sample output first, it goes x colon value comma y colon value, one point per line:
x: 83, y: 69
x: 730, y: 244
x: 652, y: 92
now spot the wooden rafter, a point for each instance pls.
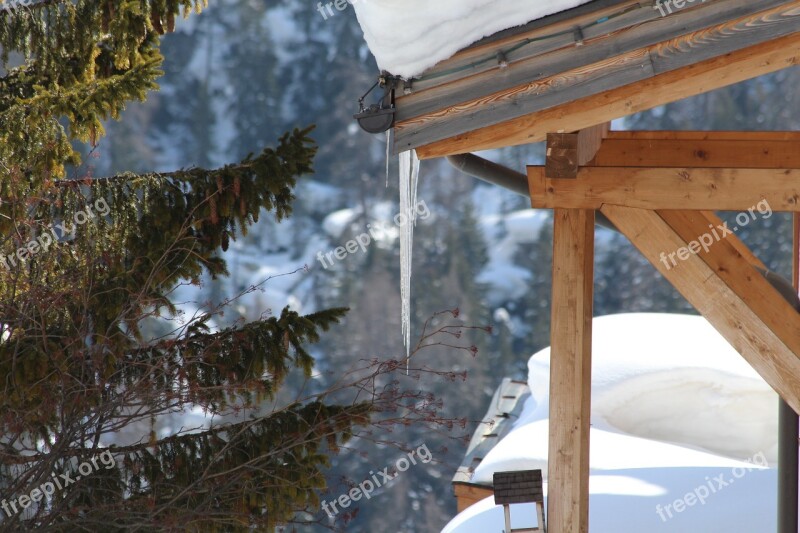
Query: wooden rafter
x: 724, y: 288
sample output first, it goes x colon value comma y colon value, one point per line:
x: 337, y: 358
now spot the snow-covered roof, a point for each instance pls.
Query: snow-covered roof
x: 672, y: 403
x: 409, y: 36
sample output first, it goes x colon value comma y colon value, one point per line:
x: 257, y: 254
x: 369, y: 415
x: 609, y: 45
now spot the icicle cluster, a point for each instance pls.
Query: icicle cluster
x: 409, y: 177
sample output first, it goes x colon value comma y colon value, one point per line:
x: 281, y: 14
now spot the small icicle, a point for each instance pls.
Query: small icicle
x: 409, y: 177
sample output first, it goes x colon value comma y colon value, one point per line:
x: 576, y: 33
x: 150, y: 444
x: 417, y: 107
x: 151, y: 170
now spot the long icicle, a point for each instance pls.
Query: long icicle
x: 388, y: 151
x: 409, y: 177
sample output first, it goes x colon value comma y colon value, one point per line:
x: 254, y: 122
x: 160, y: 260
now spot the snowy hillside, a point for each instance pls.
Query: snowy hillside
x: 410, y: 36
x: 673, y: 406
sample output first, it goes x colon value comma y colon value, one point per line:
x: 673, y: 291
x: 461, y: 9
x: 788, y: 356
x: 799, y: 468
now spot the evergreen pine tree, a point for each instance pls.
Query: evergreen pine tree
x: 85, y: 261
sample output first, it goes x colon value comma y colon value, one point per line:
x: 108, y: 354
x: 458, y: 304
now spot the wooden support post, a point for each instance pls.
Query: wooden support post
x: 570, y: 371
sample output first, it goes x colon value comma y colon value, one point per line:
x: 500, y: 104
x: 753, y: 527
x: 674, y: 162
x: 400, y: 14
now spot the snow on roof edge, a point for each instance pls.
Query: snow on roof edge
x: 408, y: 37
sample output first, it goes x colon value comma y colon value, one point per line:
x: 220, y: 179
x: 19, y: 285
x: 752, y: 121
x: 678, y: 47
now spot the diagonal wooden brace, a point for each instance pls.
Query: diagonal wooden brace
x: 723, y: 286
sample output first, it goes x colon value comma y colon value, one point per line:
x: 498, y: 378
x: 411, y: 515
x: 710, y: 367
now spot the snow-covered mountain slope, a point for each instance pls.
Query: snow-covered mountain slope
x: 410, y: 36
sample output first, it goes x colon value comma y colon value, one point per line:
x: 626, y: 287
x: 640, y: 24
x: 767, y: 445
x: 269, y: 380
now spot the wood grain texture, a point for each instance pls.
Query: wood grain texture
x: 727, y: 37
x: 589, y: 142
x: 531, y: 97
x: 740, y: 247
x: 468, y: 495
x: 696, y: 135
x: 704, y: 189
x: 532, y: 62
x: 561, y: 156
x: 565, y: 153
x: 746, y: 153
x: 570, y: 371
x: 703, y: 287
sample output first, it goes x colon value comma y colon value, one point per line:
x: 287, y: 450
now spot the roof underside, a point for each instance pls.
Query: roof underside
x: 589, y: 65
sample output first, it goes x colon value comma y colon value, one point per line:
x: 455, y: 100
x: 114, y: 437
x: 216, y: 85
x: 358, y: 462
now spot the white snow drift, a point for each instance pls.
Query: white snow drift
x: 410, y: 36
x: 673, y: 406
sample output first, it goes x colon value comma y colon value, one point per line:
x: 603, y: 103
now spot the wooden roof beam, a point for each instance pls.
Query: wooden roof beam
x: 703, y: 189
x: 567, y: 152
x: 746, y: 310
x: 765, y: 150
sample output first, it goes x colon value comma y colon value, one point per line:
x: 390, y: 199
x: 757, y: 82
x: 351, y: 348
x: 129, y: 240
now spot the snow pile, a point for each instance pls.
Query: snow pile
x: 673, y: 405
x: 627, y: 501
x: 409, y: 36
x: 671, y: 378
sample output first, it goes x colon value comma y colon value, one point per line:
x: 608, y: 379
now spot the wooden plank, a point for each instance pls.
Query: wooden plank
x: 541, y: 36
x: 535, y: 30
x: 570, y: 371
x: 695, y: 135
x: 468, y: 494
x: 524, y: 64
x: 583, y: 112
x: 748, y: 153
x: 719, y: 189
x: 740, y: 247
x: 566, y: 152
x: 572, y: 83
x: 589, y: 142
x: 534, y: 96
x: 561, y: 156
x: 727, y: 37
x: 714, y: 299
x: 530, y: 61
